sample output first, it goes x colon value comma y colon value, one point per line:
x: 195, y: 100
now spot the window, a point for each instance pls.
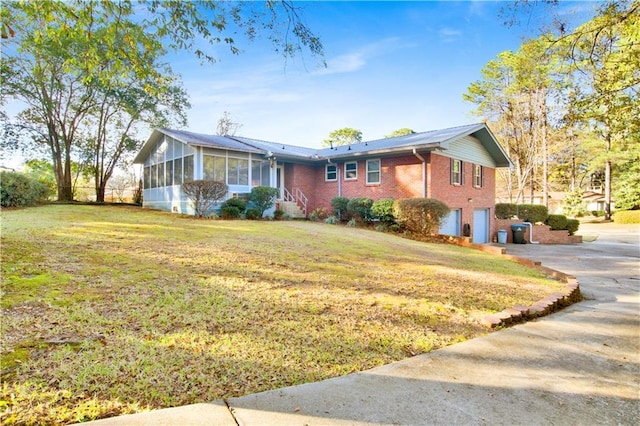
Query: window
x: 260, y: 173
x: 177, y: 171
x: 351, y: 170
x: 214, y: 168
x: 331, y: 172
x: 147, y: 177
x: 238, y: 171
x: 477, y: 176
x: 373, y: 171
x: 169, y: 173
x: 188, y: 168
x: 161, y: 175
x: 456, y: 172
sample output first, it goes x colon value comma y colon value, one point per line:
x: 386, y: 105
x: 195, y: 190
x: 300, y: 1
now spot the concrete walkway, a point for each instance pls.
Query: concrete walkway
x: 578, y: 366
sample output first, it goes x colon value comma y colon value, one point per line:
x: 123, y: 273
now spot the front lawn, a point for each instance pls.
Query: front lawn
x: 113, y: 310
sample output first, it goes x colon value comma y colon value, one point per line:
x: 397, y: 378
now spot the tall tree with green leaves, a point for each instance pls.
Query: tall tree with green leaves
x: 400, y: 132
x: 344, y: 136
x: 91, y: 71
x: 604, y: 56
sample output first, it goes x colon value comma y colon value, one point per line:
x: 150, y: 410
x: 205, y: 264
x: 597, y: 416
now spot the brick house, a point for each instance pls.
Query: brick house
x: 455, y: 165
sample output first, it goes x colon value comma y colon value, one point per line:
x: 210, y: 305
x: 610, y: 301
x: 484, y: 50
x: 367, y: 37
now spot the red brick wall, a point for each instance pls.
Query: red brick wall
x: 541, y: 233
x: 401, y: 178
x: 464, y: 197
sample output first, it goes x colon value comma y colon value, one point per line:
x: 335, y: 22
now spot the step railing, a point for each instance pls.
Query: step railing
x: 297, y: 197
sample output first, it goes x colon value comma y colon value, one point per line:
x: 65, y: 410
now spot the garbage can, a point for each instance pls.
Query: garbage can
x: 502, y: 236
x: 518, y: 233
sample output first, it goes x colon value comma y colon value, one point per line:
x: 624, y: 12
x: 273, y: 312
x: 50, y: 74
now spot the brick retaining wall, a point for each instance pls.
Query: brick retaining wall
x: 541, y: 233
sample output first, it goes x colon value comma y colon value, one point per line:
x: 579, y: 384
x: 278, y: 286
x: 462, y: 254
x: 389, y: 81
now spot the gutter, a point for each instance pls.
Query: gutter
x: 424, y: 172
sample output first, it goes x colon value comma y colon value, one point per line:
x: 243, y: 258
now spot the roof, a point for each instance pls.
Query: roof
x: 423, y: 141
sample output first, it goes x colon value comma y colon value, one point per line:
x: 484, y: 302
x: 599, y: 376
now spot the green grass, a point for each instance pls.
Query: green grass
x: 113, y: 310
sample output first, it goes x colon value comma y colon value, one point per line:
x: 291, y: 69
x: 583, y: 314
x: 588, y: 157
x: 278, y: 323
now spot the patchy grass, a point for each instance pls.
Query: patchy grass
x: 114, y: 310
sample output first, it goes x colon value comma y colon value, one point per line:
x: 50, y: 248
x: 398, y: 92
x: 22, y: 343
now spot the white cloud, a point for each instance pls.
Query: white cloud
x: 450, y: 34
x: 357, y: 59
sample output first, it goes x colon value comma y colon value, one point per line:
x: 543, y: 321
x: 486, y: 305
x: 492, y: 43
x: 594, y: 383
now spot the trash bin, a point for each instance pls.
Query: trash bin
x: 518, y: 233
x: 502, y: 236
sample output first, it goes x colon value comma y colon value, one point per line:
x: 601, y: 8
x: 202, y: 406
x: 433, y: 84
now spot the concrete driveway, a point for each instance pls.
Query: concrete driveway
x: 580, y: 366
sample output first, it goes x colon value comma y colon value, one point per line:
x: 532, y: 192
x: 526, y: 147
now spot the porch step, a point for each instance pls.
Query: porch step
x: 291, y: 209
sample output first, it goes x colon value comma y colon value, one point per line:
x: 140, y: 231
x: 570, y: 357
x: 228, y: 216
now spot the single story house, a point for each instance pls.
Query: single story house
x: 455, y: 165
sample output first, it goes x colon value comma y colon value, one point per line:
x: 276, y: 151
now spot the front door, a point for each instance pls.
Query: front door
x: 451, y: 224
x: 481, y: 226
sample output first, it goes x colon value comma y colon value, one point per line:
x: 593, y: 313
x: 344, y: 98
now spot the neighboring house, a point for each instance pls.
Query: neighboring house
x: 594, y: 200
x: 455, y: 165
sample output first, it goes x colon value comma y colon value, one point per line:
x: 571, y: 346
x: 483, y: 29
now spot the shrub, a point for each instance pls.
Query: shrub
x: 383, y: 209
x: 252, y: 214
x: 204, y: 194
x: 278, y: 214
x: 264, y: 197
x: 506, y: 210
x: 533, y: 213
x: 572, y: 226
x: 319, y: 214
x: 238, y: 203
x: 556, y: 221
x: 20, y: 190
x: 627, y: 216
x: 331, y: 220
x: 230, y: 212
x: 339, y: 205
x: 352, y: 223
x: 420, y: 215
x: 360, y: 209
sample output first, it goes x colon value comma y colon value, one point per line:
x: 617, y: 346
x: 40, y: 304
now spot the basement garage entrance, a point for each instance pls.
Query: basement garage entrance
x: 481, y: 226
x: 451, y: 224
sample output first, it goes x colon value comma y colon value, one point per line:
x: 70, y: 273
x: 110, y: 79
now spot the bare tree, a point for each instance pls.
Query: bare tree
x: 226, y: 125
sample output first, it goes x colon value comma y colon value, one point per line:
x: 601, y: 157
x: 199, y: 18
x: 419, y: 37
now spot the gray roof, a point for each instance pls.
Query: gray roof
x: 423, y: 141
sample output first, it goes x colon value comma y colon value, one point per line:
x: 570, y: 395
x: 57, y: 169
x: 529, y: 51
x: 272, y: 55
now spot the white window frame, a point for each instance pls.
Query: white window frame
x: 478, y: 174
x: 354, y: 171
x: 326, y: 172
x: 459, y: 180
x: 369, y: 171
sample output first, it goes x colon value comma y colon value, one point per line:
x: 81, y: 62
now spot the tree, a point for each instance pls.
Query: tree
x: 263, y: 197
x: 626, y: 188
x: 204, y: 194
x: 400, y: 132
x: 604, y: 54
x: 344, y: 136
x: 226, y: 126
x: 90, y: 71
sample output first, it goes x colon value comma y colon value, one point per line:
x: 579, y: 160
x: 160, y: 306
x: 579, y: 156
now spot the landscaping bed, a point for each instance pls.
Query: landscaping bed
x: 110, y: 310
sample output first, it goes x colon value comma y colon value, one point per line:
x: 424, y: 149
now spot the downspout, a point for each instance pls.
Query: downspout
x: 531, y: 233
x: 424, y: 172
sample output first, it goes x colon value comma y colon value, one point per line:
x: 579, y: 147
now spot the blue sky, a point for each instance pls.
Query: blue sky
x: 390, y: 65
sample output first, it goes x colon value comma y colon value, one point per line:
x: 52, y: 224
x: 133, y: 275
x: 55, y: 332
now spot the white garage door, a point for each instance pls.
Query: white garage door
x: 451, y: 224
x: 481, y: 226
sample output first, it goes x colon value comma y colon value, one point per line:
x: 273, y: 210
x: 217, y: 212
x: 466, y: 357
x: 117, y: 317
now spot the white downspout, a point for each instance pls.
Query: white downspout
x: 531, y: 233
x: 424, y: 172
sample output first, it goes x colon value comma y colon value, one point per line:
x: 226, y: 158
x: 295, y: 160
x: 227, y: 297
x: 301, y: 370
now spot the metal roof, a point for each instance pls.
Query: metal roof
x: 423, y: 141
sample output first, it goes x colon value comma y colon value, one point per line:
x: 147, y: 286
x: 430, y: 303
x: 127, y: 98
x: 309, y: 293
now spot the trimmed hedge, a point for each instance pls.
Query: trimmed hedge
x: 382, y: 209
x: 360, y: 209
x: 532, y: 212
x: 557, y: 221
x: 506, y: 210
x: 21, y: 190
x: 627, y: 216
x: 253, y: 214
x: 572, y: 226
x: 339, y: 205
x: 420, y: 215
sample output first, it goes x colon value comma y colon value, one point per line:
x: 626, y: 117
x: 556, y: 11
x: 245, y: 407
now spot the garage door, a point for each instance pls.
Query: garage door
x: 451, y: 224
x: 481, y: 226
